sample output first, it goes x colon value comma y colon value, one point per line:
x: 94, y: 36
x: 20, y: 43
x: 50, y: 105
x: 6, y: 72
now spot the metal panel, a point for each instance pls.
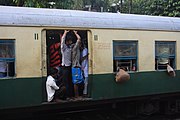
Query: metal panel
x: 24, y: 16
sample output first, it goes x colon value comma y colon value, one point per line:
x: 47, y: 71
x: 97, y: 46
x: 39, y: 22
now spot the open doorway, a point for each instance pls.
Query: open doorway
x: 53, y: 40
x: 54, y: 54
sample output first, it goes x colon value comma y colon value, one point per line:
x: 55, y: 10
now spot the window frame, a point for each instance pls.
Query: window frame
x: 130, y: 57
x: 171, y: 56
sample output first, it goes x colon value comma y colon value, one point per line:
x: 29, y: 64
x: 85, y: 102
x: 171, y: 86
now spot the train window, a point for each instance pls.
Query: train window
x: 7, y: 58
x: 164, y: 54
x: 125, y: 55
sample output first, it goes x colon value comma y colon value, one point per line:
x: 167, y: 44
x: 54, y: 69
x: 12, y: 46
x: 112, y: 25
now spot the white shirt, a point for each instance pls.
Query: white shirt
x: 84, y: 64
x: 51, y: 87
x: 66, y: 53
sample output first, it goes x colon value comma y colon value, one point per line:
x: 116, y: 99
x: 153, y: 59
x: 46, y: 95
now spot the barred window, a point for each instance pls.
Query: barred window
x: 164, y: 54
x: 7, y: 58
x: 125, y: 55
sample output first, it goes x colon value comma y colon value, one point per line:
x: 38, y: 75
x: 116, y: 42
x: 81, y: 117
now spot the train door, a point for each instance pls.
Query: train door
x: 53, y: 49
x: 53, y: 40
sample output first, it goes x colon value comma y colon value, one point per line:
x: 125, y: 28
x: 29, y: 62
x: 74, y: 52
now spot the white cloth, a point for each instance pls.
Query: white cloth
x: 85, y: 91
x: 3, y: 67
x: 171, y: 71
x: 51, y: 87
x: 84, y: 64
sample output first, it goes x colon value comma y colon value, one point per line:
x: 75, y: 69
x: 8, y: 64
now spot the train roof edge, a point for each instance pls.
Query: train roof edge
x: 25, y: 16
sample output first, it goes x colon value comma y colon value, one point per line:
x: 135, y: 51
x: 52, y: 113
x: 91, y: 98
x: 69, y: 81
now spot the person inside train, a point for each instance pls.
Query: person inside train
x: 3, y: 69
x: 3, y: 64
x: 66, y: 51
x: 54, y: 93
x: 55, y: 54
x: 84, y: 67
x: 77, y: 76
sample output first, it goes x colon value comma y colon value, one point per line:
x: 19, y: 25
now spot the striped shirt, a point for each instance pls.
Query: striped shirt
x: 55, y: 57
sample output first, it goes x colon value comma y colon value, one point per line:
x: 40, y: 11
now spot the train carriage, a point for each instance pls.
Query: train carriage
x: 140, y: 43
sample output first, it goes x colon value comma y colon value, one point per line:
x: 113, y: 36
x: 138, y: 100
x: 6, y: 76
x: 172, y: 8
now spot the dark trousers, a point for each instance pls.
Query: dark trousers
x: 67, y: 79
x: 60, y: 93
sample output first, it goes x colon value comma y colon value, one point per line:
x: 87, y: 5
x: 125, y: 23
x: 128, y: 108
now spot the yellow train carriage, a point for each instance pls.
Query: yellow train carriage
x: 114, y: 40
